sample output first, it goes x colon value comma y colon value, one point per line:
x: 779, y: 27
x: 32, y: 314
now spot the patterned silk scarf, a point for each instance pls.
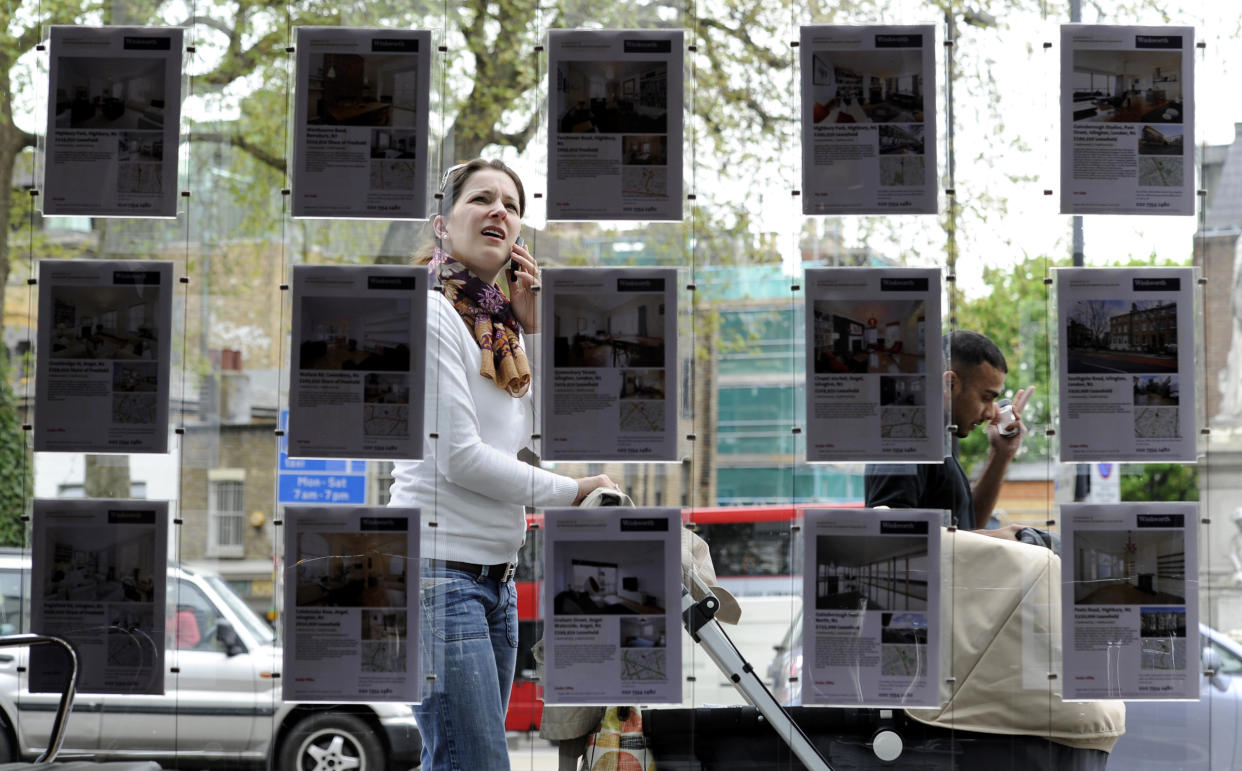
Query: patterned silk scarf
x: 488, y: 315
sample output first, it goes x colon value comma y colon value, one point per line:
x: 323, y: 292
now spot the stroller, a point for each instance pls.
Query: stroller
x: 989, y: 719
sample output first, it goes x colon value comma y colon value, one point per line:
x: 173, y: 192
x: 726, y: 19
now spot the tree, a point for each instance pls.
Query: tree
x: 16, y: 482
x: 1161, y: 482
x: 490, y: 91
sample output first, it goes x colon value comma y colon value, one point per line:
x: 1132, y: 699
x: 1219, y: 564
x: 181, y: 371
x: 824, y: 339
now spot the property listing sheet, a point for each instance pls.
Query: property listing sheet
x: 868, y: 119
x: 351, y: 604
x: 871, y: 605
x: 615, y: 124
x: 1127, y: 364
x: 98, y: 578
x: 1130, y: 601
x: 874, y: 364
x: 356, y: 383
x: 610, y: 364
x: 113, y: 121
x: 1127, y: 119
x: 360, y: 123
x: 612, y: 599
x: 103, y: 365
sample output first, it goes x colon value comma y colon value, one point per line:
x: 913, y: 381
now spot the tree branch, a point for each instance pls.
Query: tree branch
x: 517, y: 139
x: 240, y: 142
x: 208, y: 21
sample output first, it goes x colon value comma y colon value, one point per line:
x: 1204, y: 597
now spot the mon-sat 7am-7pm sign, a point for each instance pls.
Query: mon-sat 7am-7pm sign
x: 317, y: 480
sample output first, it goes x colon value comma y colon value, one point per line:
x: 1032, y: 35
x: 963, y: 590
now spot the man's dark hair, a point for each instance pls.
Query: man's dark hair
x: 970, y: 349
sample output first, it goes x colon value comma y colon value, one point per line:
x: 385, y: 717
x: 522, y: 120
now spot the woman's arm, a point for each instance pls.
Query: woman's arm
x: 461, y: 455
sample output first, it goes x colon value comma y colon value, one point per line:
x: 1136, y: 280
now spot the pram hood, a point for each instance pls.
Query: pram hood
x: 1003, y: 606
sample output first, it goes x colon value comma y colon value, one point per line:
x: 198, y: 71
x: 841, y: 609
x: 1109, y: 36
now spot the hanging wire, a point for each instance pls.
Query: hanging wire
x: 283, y: 302
x: 189, y: 48
x: 27, y: 379
x: 27, y: 512
x: 1202, y: 463
x: 696, y: 449
x: 1049, y: 65
x: 789, y: 138
x: 432, y: 517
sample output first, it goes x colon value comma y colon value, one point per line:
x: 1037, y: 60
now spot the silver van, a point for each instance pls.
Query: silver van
x: 221, y: 707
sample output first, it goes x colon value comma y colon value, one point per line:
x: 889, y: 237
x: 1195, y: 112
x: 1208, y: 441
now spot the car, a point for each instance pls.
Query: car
x: 1160, y: 735
x: 221, y: 706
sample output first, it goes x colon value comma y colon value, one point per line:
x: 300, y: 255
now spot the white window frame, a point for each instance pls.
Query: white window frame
x: 216, y: 480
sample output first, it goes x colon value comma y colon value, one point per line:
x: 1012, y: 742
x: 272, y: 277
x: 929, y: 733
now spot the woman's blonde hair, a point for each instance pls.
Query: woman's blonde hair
x: 451, y: 186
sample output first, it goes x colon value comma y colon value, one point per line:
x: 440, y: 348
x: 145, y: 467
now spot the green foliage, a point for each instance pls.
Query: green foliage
x: 16, y: 482
x: 1161, y: 482
x: 1017, y: 313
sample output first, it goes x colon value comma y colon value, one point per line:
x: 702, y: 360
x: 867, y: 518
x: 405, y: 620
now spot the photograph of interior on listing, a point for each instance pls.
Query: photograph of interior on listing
x: 104, y: 322
x: 613, y: 97
x: 608, y: 578
x: 1127, y: 87
x: 110, y: 93
x: 856, y: 572
x: 867, y: 86
x: 99, y: 564
x: 870, y: 337
x: 349, y: 333
x: 621, y: 329
x: 362, y: 90
x: 1129, y: 567
x: 352, y: 570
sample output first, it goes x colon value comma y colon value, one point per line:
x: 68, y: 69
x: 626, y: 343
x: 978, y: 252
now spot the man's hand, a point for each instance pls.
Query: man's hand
x: 1007, y: 446
x: 1005, y: 532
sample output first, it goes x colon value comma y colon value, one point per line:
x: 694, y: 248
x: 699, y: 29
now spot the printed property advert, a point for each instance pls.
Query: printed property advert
x: 1130, y: 601
x: 98, y: 579
x: 356, y: 382
x: 610, y: 364
x: 868, y: 120
x: 612, y: 601
x: 351, y: 604
x: 873, y: 370
x: 360, y: 123
x: 1127, y: 364
x: 870, y: 594
x: 615, y: 124
x: 113, y: 121
x: 1127, y: 120
x: 103, y: 364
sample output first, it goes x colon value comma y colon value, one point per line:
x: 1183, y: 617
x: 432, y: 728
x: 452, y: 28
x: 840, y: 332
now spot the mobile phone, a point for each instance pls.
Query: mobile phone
x: 511, y: 272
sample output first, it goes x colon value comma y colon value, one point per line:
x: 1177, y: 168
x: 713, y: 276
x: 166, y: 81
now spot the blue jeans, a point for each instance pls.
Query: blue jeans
x: 469, y: 642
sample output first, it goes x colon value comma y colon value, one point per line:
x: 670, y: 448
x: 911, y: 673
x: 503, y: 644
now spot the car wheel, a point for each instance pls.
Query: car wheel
x: 8, y: 751
x: 332, y: 741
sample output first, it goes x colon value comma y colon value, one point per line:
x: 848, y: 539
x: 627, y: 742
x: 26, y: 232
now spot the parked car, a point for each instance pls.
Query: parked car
x: 221, y: 706
x: 1198, y: 735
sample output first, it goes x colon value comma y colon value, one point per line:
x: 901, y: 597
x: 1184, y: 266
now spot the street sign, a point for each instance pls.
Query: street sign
x: 317, y: 480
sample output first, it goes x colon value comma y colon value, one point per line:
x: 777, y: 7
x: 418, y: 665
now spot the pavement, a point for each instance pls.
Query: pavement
x: 527, y: 752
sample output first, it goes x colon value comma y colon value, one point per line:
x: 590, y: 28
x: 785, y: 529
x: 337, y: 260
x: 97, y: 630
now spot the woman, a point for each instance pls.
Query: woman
x: 471, y: 487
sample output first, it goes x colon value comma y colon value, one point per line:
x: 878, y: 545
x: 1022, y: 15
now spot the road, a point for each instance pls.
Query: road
x: 1113, y: 362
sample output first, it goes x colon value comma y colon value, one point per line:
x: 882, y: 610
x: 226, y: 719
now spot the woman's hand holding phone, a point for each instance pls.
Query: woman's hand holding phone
x: 523, y: 275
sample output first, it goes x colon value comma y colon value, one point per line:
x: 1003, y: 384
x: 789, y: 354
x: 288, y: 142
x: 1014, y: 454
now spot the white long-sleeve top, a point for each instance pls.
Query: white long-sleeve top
x: 471, y: 483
